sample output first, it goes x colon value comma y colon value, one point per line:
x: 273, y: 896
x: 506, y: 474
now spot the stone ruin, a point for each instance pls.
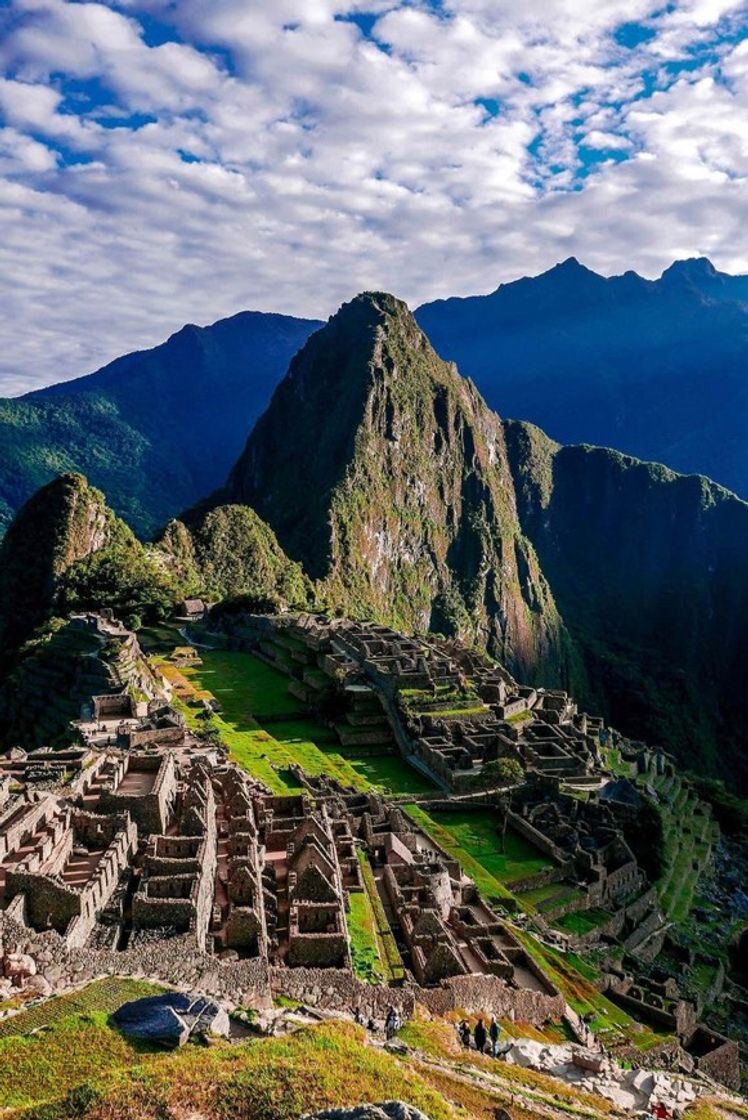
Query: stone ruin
x: 146, y: 839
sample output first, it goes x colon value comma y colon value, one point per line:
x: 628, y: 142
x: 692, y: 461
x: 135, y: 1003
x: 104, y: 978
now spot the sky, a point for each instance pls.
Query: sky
x: 172, y: 161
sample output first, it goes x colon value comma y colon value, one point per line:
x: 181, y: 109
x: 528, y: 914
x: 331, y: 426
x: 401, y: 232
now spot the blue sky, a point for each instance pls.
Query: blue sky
x: 164, y: 161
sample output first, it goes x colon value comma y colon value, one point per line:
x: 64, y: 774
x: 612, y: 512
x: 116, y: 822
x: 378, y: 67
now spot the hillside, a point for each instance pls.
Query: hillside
x: 384, y: 474
x: 654, y: 368
x: 65, y: 550
x: 156, y: 429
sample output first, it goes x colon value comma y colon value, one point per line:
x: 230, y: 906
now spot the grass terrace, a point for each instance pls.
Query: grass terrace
x: 689, y: 837
x: 581, y: 922
x: 389, y: 954
x: 471, y: 837
x: 576, y: 977
x: 444, y: 703
x: 267, y: 730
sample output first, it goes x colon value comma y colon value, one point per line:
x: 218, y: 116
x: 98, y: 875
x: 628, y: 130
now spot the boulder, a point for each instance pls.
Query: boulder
x: 385, y: 1110
x: 171, y: 1019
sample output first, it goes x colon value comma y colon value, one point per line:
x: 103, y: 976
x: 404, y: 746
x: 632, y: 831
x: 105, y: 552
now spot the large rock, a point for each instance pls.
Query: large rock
x: 171, y: 1019
x: 385, y: 1110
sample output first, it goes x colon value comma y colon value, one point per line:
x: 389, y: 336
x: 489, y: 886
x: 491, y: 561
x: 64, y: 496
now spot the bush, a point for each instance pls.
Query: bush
x: 501, y: 772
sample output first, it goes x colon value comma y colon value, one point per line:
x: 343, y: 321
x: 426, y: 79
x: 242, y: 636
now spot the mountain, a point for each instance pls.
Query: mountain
x: 156, y: 429
x: 65, y: 550
x: 378, y: 483
x: 385, y: 476
x: 655, y: 368
x: 230, y: 551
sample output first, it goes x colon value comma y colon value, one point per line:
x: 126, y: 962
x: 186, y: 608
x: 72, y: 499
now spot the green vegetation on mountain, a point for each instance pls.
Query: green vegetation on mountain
x: 230, y: 551
x: 63, y: 523
x: 155, y: 430
x: 384, y: 474
x: 67, y: 551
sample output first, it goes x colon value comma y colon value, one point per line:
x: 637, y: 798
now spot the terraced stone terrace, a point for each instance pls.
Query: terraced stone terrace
x: 690, y: 834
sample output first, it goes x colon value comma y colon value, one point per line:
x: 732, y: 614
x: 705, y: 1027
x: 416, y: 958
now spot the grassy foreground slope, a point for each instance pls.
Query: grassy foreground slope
x: 266, y: 1079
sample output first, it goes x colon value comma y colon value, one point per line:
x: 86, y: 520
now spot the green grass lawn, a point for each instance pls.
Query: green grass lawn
x: 582, y: 921
x: 475, y: 832
x: 367, y: 964
x: 246, y: 687
x: 71, y: 1042
x: 489, y: 886
x: 253, y: 698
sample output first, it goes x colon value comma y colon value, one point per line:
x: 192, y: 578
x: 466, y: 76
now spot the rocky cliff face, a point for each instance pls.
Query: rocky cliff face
x: 384, y: 474
x: 650, y: 571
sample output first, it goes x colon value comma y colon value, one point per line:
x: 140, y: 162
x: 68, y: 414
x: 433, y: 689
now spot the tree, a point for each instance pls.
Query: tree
x: 501, y: 772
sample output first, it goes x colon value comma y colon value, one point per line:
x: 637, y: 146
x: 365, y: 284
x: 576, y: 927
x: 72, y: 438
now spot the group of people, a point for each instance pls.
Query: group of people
x: 480, y: 1035
x: 392, y: 1022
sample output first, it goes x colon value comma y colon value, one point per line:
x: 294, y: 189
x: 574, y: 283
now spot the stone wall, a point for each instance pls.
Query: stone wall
x: 490, y: 995
x: 529, y: 832
x: 175, y: 961
x: 722, y: 1061
x: 339, y: 990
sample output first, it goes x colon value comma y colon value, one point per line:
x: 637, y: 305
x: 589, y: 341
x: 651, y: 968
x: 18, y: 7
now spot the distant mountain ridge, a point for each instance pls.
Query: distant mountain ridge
x: 155, y: 429
x: 655, y: 368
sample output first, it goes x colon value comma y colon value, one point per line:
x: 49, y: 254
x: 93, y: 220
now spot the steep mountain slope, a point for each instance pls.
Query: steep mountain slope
x: 383, y: 473
x: 156, y: 429
x: 650, y: 571
x: 66, y: 550
x: 658, y: 368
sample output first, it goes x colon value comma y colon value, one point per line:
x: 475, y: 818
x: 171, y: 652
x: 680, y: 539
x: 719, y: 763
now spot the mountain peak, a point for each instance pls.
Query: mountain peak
x: 694, y: 269
x: 384, y: 474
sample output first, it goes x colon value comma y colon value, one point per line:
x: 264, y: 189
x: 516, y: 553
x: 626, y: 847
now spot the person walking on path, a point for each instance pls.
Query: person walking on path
x: 479, y: 1034
x: 465, y: 1033
x: 494, y: 1031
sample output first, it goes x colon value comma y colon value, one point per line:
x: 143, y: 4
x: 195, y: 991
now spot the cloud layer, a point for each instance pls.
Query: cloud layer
x: 164, y: 161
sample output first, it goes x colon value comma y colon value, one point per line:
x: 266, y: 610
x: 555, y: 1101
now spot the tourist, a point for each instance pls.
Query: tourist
x: 659, y: 1111
x: 464, y: 1032
x: 390, y: 1024
x: 494, y: 1031
x: 480, y: 1036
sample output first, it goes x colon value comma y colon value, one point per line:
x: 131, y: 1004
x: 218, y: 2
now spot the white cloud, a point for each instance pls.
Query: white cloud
x: 274, y: 156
